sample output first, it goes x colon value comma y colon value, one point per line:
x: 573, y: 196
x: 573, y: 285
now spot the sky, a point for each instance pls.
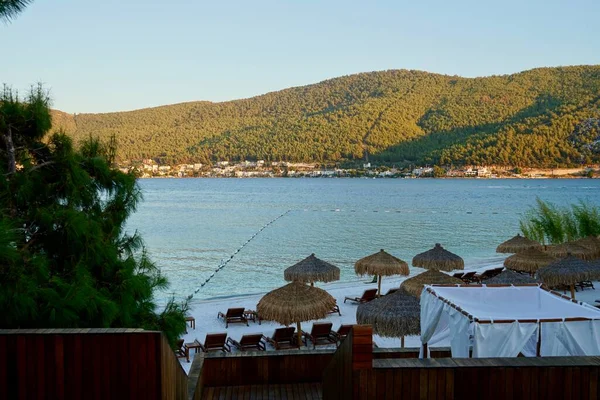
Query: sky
x: 116, y: 55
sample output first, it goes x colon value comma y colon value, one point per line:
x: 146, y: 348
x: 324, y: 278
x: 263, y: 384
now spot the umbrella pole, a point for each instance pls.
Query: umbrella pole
x: 379, y: 286
x: 299, y: 334
x: 402, y: 341
x: 312, y: 284
x: 573, y: 291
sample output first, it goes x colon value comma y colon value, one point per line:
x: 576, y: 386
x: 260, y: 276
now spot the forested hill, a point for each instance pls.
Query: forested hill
x: 541, y: 117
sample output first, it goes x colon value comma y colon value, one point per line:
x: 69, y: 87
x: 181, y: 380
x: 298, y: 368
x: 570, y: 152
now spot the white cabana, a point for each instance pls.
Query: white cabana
x: 505, y: 320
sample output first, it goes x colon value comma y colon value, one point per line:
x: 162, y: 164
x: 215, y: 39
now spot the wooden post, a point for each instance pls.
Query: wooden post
x: 379, y: 286
x: 539, y: 343
x: 312, y: 284
x: 573, y: 291
x: 402, y: 341
x: 425, y: 350
x: 299, y: 334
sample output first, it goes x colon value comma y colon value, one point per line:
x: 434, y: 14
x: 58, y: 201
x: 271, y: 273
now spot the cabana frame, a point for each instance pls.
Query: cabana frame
x: 507, y: 321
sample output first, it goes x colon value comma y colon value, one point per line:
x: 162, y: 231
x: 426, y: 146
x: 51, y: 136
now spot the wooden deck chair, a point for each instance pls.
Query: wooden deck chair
x: 487, y: 274
x: 249, y: 342
x: 234, y: 315
x: 320, y: 334
x: 458, y: 275
x: 214, y: 342
x: 335, y: 309
x: 392, y: 290
x: 343, y: 331
x: 182, y: 351
x: 469, y: 277
x: 283, y: 338
x: 368, y: 295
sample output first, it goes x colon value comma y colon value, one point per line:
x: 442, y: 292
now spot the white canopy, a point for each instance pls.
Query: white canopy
x: 503, y: 321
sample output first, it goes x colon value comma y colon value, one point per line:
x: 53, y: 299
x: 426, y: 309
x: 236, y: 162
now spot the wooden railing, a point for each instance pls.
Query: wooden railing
x: 90, y: 364
x: 355, y: 353
x: 398, y: 374
x: 494, y: 378
x: 262, y: 367
x: 410, y: 352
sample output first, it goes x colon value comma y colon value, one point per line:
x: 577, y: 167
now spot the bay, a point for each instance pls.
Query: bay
x: 192, y: 226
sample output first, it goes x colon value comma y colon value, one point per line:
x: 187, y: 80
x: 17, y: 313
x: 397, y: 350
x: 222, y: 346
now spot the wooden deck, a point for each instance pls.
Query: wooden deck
x: 303, y: 391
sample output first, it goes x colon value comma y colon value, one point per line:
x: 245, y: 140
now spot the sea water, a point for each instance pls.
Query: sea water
x: 255, y: 228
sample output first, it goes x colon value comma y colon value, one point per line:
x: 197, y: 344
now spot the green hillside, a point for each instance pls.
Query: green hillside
x: 541, y: 117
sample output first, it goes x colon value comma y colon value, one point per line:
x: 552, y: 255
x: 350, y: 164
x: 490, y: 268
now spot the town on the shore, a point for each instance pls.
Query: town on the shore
x: 262, y: 169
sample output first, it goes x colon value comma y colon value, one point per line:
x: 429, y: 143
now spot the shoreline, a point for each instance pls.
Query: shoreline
x: 205, y: 311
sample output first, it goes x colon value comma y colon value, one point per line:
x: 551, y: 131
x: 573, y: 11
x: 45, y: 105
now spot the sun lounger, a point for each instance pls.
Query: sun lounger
x: 320, y: 334
x: 392, y: 290
x: 234, y: 315
x: 368, y: 295
x: 214, y: 342
x: 485, y: 275
x: 343, y: 331
x: 469, y: 277
x: 283, y: 338
x: 585, y: 284
x: 182, y: 351
x: 335, y: 309
x: 248, y: 342
x: 458, y: 275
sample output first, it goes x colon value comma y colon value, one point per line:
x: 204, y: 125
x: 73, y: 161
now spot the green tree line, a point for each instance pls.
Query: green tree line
x: 399, y: 116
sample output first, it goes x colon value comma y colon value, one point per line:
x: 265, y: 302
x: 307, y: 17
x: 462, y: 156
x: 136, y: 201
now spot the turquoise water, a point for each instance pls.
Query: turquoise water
x: 191, y: 226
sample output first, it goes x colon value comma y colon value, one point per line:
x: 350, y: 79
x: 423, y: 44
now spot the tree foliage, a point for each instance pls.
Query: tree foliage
x: 66, y: 260
x: 550, y: 224
x: 397, y: 116
x: 10, y: 8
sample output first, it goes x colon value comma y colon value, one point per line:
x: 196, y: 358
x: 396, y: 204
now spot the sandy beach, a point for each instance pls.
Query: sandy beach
x: 205, y: 311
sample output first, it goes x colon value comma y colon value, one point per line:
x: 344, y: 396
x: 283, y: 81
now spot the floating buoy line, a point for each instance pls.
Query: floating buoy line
x: 226, y: 261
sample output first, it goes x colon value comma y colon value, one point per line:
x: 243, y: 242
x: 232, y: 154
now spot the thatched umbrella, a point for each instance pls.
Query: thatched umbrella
x: 438, y: 258
x: 381, y: 264
x: 592, y: 243
x: 528, y: 260
x: 312, y: 270
x: 295, y: 302
x: 568, y: 271
x: 508, y: 277
x: 517, y: 244
x: 563, y: 249
x: 393, y: 315
x: 415, y: 284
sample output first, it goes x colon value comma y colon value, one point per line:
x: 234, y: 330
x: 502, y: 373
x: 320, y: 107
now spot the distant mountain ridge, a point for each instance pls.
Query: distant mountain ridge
x: 398, y: 116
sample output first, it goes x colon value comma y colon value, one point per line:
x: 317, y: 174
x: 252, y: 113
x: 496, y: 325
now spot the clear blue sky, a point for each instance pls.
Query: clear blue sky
x: 113, y: 55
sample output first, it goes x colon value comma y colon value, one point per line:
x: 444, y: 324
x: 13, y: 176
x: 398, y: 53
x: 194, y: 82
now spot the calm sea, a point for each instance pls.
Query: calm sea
x: 191, y: 226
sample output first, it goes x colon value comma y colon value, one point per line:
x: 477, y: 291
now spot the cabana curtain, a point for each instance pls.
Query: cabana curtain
x: 466, y: 315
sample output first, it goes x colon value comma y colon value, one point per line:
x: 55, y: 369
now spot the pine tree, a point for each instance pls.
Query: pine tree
x: 66, y: 260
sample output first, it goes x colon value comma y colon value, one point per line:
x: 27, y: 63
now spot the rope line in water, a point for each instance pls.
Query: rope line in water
x: 224, y: 263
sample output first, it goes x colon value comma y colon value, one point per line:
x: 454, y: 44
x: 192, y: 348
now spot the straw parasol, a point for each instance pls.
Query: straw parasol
x: 591, y: 243
x: 312, y: 270
x: 563, y: 249
x: 381, y: 264
x: 568, y: 271
x: 415, y: 284
x: 517, y: 244
x: 295, y: 302
x: 438, y: 258
x: 528, y: 260
x: 393, y: 315
x: 508, y: 277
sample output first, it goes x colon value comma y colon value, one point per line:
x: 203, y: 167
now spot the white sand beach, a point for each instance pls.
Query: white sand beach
x: 205, y: 311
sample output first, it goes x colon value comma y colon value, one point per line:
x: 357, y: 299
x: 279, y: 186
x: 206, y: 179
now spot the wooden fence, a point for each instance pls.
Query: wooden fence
x: 397, y: 374
x: 90, y: 364
x: 264, y: 367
